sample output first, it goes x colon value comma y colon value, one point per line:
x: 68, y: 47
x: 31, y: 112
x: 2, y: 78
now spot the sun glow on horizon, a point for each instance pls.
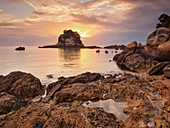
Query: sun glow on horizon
x: 84, y: 35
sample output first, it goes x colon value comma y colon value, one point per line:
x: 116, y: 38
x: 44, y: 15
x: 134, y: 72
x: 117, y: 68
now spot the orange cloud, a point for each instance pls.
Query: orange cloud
x: 95, y: 20
x: 11, y: 1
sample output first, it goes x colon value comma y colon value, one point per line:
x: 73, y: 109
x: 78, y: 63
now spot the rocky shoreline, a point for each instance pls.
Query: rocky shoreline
x: 90, y: 99
x: 152, y: 58
x: 146, y: 99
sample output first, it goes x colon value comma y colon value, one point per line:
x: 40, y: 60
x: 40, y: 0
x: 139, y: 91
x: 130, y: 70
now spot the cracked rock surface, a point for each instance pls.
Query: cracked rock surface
x: 146, y: 101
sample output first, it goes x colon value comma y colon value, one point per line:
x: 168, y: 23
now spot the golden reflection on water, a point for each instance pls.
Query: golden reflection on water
x: 58, y: 62
x: 69, y: 58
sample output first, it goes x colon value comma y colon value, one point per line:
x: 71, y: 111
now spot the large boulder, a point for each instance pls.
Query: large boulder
x: 9, y: 103
x: 144, y: 58
x: 20, y: 84
x: 69, y: 39
x: 159, y: 36
x: 135, y: 57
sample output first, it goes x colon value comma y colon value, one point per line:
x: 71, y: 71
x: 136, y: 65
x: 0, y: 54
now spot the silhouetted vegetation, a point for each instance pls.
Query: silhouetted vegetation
x: 164, y: 20
x: 68, y: 34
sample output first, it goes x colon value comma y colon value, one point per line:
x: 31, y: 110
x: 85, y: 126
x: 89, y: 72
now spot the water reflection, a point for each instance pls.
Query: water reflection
x: 109, y: 106
x: 69, y: 57
x: 57, y: 62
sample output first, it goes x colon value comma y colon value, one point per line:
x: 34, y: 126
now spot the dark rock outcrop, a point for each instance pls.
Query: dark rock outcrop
x: 116, y: 47
x: 143, y: 58
x: 9, y: 103
x: 21, y: 85
x: 69, y: 39
x: 20, y: 49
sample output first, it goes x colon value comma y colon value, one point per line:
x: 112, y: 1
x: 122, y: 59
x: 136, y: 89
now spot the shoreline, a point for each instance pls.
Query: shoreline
x: 116, y: 47
x: 67, y: 95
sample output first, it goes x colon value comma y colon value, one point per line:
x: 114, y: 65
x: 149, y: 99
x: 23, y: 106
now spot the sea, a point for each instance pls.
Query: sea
x: 57, y: 62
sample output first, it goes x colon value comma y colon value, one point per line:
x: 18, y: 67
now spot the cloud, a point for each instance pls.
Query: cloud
x: 11, y: 1
x: 1, y: 10
x: 6, y: 24
x: 38, y: 13
x: 110, y: 21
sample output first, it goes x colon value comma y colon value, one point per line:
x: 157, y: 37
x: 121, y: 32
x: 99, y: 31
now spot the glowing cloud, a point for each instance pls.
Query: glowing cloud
x: 110, y: 21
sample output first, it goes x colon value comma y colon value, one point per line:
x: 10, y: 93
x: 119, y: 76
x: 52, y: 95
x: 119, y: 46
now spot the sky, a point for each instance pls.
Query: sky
x: 99, y: 22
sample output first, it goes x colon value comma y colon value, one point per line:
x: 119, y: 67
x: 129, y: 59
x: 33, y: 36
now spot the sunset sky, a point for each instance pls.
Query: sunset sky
x: 99, y: 22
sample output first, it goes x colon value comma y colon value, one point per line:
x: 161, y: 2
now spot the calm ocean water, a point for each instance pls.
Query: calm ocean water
x: 56, y: 62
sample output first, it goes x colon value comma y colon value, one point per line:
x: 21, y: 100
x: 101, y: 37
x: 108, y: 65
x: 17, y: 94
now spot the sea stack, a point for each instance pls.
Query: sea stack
x: 69, y: 39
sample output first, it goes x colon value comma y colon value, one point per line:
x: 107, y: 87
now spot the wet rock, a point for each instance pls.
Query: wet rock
x: 69, y: 39
x: 9, y: 103
x: 20, y: 48
x: 20, y: 84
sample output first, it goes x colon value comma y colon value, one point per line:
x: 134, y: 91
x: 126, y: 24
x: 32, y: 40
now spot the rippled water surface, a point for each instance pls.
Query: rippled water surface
x: 57, y: 62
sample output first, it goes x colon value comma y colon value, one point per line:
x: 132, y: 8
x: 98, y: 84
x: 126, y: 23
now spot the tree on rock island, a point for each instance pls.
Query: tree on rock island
x: 164, y: 21
x: 69, y: 39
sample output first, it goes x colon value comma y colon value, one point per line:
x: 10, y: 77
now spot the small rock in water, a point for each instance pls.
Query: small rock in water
x: 50, y: 76
x: 20, y: 48
x: 97, y: 51
x: 106, y: 51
